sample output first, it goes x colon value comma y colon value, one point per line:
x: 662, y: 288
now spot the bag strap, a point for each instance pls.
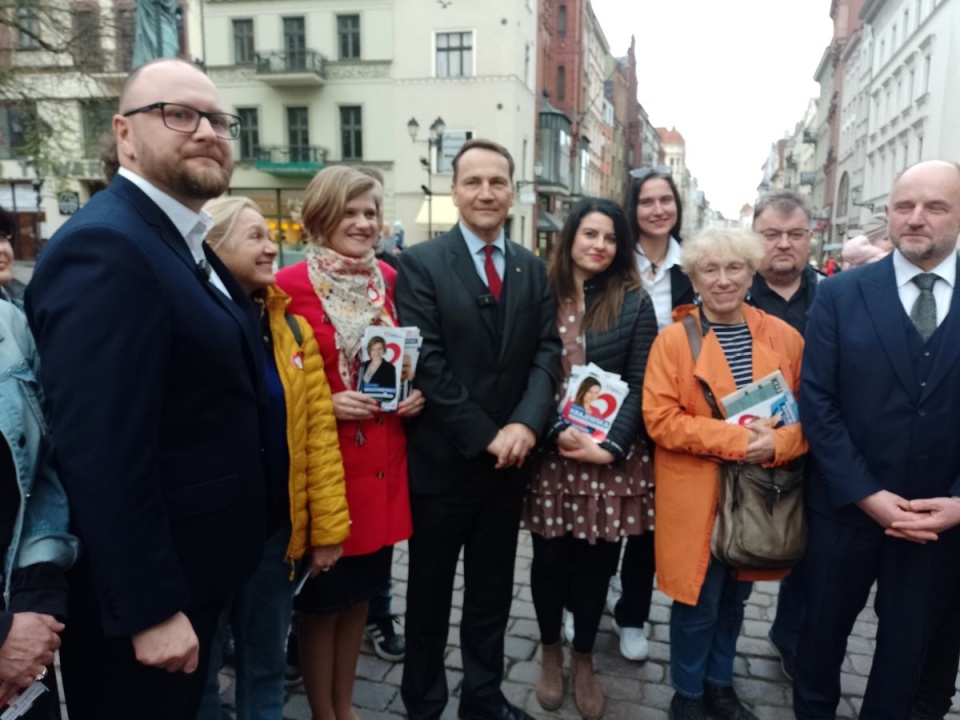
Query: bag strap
x: 294, y: 328
x: 696, y: 343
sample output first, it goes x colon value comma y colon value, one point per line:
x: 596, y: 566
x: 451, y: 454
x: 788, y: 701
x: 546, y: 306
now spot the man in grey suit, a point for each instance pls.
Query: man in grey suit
x: 488, y: 369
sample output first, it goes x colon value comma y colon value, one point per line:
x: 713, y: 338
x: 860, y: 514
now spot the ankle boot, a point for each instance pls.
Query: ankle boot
x: 586, y: 689
x: 550, y: 685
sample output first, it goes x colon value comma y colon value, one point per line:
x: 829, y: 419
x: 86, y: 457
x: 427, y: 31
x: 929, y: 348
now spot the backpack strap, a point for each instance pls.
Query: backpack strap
x: 294, y: 328
x: 696, y: 342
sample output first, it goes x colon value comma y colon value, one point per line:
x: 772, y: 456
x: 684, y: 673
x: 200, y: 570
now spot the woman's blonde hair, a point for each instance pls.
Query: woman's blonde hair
x: 711, y: 243
x: 226, y: 212
x: 326, y: 197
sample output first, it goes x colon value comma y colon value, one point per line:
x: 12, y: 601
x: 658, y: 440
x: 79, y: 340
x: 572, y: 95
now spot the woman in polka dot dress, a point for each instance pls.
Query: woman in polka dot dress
x: 586, y: 496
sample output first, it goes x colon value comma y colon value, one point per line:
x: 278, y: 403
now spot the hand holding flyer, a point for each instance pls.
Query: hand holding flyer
x: 388, y: 359
x: 769, y: 399
x: 593, y: 400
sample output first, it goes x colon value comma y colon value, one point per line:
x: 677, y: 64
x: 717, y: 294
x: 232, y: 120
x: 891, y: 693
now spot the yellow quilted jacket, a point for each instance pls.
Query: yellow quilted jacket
x: 318, y: 502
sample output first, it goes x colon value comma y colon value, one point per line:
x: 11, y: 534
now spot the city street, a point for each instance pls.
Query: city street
x: 634, y: 690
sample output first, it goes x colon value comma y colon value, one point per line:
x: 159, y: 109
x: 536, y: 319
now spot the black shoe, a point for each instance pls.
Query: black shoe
x: 505, y: 711
x: 684, y: 708
x: 723, y: 704
x: 922, y: 712
x: 788, y: 660
x: 387, y: 644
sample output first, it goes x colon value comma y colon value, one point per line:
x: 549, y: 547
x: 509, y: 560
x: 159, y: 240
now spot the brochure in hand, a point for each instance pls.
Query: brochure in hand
x: 769, y: 398
x: 388, y: 360
x: 593, y: 399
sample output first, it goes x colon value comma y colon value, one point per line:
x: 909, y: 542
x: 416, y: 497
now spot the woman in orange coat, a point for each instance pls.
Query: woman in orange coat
x: 740, y: 344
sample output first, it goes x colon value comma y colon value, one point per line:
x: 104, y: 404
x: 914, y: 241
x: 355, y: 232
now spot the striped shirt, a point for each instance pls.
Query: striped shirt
x: 738, y: 349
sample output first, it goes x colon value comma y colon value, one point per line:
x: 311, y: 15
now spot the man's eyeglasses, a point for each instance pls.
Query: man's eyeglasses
x: 186, y: 119
x: 795, y: 235
x: 645, y: 172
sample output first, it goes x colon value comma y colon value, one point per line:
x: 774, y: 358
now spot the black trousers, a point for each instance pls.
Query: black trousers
x: 913, y: 583
x: 636, y: 579
x: 571, y: 568
x: 483, y: 519
x: 102, y: 679
x: 938, y: 679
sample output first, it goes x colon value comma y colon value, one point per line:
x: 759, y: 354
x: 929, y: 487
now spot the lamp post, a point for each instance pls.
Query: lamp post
x: 434, y: 141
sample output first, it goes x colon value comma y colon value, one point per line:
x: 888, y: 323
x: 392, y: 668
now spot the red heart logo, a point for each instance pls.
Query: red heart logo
x: 609, y: 405
x: 393, y: 352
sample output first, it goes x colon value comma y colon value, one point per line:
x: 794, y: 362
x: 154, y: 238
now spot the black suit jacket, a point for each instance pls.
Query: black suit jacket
x: 475, y: 377
x: 154, y: 380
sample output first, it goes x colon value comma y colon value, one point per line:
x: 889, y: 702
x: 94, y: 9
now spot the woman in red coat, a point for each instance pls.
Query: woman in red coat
x: 341, y: 289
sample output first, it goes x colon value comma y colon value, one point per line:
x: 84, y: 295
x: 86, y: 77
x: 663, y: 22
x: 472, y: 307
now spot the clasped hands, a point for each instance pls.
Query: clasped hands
x: 512, y: 444
x: 919, y: 521
x: 353, y: 405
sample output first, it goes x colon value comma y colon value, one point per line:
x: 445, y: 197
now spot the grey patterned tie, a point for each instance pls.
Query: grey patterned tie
x: 924, y: 312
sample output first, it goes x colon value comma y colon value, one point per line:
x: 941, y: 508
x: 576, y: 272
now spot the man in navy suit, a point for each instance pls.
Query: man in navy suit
x: 152, y: 367
x: 878, y: 402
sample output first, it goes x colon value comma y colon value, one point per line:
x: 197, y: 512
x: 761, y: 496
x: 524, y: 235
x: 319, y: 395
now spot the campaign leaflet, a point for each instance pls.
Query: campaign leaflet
x: 593, y: 399
x: 388, y: 362
x: 767, y: 398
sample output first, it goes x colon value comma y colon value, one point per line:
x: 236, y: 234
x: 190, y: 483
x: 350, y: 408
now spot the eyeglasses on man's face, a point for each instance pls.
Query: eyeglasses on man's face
x: 645, y: 172
x: 186, y: 119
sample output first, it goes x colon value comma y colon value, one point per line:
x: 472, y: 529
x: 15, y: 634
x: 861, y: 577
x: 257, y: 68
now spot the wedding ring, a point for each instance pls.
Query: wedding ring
x: 41, y: 675
x: 326, y: 569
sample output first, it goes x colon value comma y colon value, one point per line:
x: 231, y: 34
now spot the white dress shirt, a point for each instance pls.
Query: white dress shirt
x: 191, y: 225
x: 475, y: 245
x: 659, y: 288
x: 905, y: 271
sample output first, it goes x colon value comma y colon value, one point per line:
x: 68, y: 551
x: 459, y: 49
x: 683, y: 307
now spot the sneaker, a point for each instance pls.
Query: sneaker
x: 613, y: 595
x: 568, y: 626
x: 633, y: 642
x: 723, y: 704
x: 387, y: 643
x: 788, y: 659
x: 684, y: 708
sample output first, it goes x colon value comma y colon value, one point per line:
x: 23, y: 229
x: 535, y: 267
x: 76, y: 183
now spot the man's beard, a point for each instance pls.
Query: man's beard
x: 204, y: 185
x: 178, y: 179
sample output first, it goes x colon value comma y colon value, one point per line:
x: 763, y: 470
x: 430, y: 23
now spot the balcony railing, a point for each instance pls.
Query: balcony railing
x: 298, y: 67
x: 290, y: 160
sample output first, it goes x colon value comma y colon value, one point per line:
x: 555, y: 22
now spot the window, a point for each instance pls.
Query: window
x: 526, y: 63
x: 454, y: 54
x: 348, y: 37
x: 87, y: 52
x: 27, y: 27
x: 243, y: 48
x: 351, y: 133
x: 562, y: 21
x: 893, y: 39
x: 911, y: 86
x: 126, y: 31
x: 249, y: 133
x: 561, y: 83
x: 15, y: 121
x: 97, y: 122
x: 298, y: 134
x: 295, y: 43
x: 926, y: 74
x: 906, y: 23
x: 450, y: 144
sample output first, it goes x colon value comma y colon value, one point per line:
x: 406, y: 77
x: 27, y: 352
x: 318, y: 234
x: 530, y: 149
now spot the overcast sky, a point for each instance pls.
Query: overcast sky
x: 731, y: 75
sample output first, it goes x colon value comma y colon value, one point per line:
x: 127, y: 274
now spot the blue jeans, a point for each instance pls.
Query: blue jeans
x: 703, y: 637
x: 259, y: 618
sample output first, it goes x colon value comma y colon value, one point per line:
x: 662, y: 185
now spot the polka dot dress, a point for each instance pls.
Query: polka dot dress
x: 589, y: 501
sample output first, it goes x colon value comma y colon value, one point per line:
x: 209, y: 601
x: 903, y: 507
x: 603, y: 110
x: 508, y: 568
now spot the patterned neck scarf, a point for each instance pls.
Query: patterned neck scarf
x: 353, y: 295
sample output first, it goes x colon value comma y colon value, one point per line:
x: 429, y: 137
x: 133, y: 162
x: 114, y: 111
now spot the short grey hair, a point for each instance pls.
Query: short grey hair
x: 711, y: 243
x: 225, y: 211
x: 784, y: 202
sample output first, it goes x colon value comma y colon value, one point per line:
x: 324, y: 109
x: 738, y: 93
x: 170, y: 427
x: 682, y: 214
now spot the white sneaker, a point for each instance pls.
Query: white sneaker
x: 568, y: 626
x: 633, y: 642
x: 613, y: 595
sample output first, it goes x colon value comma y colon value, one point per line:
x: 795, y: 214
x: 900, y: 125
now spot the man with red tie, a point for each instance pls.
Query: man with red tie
x: 488, y: 369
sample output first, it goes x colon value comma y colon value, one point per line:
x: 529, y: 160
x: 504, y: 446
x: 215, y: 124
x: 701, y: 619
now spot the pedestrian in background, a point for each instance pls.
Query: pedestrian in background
x: 585, y: 496
x: 341, y: 289
x: 873, y: 245
x: 11, y: 289
x: 304, y: 471
x: 739, y: 345
x: 152, y: 365
x: 654, y: 211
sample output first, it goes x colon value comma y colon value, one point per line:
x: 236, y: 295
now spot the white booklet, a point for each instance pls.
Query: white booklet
x: 768, y: 397
x: 388, y: 361
x: 593, y: 400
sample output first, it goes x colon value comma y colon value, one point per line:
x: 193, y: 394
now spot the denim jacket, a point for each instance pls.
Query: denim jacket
x: 40, y: 532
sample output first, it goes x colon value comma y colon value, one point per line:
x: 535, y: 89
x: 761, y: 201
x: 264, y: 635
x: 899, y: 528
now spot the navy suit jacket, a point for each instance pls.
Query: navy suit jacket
x: 481, y: 366
x: 154, y: 380
x: 871, y: 424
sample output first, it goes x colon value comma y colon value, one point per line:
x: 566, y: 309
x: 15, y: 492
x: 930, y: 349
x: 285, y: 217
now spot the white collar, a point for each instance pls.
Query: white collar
x: 669, y: 260
x: 193, y: 226
x: 475, y: 244
x: 905, y: 271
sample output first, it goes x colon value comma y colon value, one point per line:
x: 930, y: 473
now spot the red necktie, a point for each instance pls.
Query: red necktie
x: 493, y: 277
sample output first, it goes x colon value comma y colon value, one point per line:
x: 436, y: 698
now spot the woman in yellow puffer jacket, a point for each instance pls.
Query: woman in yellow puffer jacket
x: 306, y: 495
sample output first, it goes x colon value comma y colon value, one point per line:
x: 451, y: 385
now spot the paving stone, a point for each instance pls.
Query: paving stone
x: 370, y: 667
x: 766, y: 669
x: 517, y: 648
x: 373, y: 695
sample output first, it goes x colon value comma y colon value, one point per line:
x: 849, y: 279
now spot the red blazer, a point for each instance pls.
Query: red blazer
x: 375, y: 471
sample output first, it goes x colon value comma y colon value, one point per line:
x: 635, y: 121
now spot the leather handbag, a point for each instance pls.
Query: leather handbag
x: 761, y: 522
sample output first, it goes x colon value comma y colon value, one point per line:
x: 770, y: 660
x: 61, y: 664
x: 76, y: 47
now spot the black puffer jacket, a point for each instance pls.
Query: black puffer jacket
x: 622, y: 349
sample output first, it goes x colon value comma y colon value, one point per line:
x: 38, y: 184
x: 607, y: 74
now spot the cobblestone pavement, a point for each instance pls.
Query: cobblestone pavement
x: 634, y: 690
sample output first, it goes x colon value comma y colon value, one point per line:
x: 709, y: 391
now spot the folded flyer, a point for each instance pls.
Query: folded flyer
x: 768, y: 397
x: 388, y: 361
x: 593, y: 400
